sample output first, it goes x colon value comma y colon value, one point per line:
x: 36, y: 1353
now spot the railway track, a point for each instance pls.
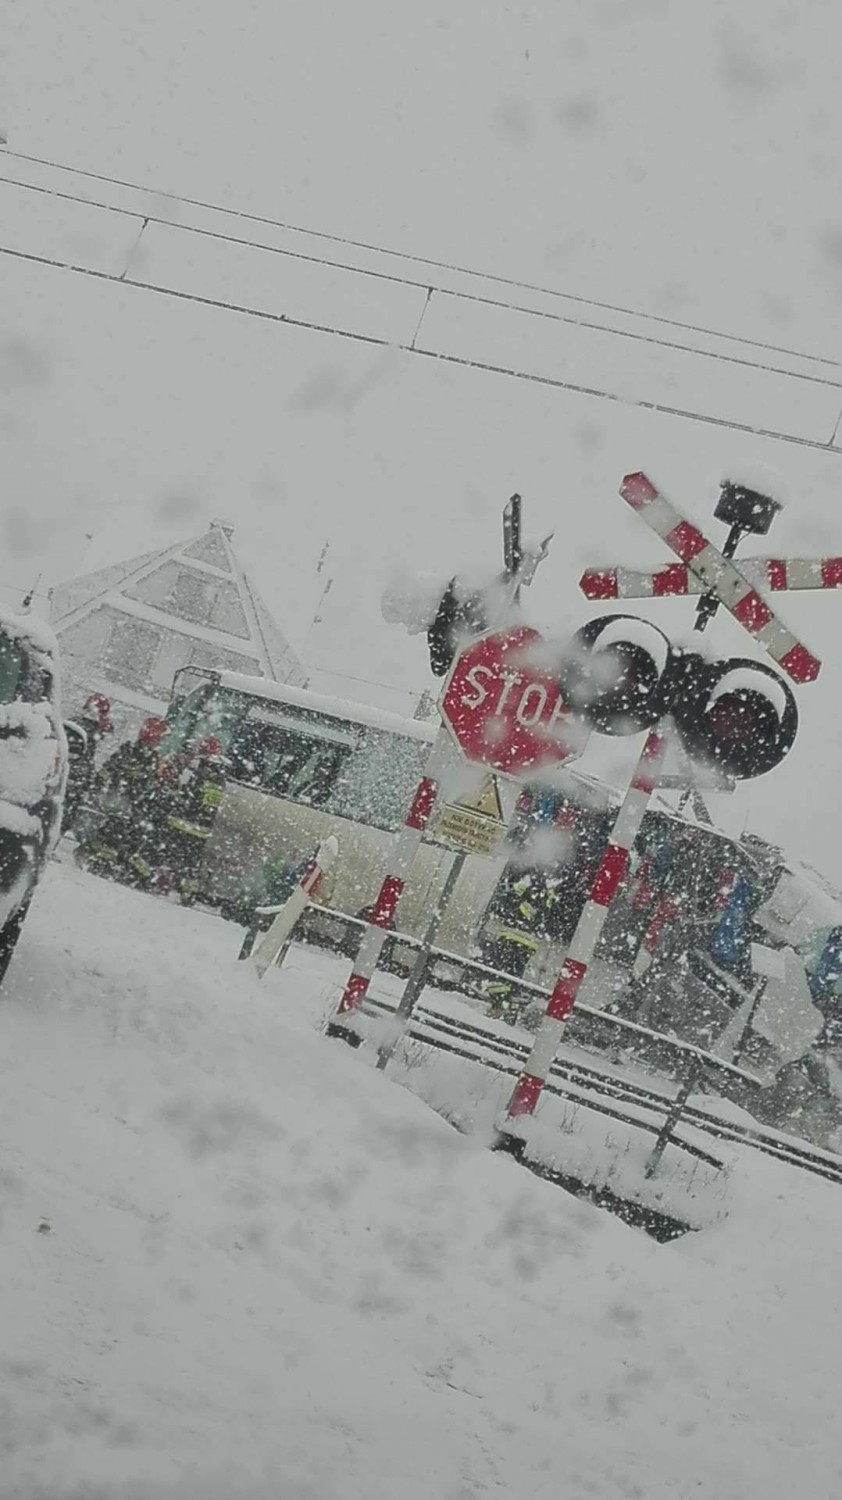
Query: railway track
x: 602, y: 1092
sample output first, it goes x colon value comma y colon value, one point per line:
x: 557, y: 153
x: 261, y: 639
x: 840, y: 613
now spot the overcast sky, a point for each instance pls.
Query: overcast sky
x: 674, y: 158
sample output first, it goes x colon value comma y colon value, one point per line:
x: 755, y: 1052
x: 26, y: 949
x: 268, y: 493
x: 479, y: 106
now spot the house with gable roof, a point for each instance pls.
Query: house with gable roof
x: 126, y: 630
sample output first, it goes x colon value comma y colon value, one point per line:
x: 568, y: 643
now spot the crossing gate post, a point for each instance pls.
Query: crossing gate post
x: 415, y: 983
x: 694, y: 1072
x: 382, y: 918
x: 583, y: 943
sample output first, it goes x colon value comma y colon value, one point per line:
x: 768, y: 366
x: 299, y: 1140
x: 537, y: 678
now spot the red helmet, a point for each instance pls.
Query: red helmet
x: 98, y: 708
x: 152, y: 731
x: 210, y: 748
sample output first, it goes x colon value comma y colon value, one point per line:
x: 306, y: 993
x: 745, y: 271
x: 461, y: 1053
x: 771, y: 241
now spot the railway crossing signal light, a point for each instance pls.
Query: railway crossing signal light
x: 739, y: 716
x: 620, y: 675
x: 736, y: 715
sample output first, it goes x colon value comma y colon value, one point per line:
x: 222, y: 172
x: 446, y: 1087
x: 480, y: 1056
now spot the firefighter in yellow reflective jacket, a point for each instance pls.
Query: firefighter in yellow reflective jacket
x: 196, y: 798
x: 120, y: 833
x: 521, y: 918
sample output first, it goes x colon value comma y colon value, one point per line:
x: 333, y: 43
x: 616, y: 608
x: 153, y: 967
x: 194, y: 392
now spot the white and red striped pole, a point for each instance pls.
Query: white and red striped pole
x: 778, y: 574
x: 583, y: 943
x: 383, y: 914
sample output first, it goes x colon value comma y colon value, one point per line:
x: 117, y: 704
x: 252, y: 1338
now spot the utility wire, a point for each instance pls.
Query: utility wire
x: 407, y: 256
x: 461, y: 361
x: 376, y: 275
x: 18, y: 588
x: 349, y: 677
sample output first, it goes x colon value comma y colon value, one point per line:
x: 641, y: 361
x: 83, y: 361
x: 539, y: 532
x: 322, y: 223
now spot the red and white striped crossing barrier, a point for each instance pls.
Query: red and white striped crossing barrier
x: 776, y: 573
x: 383, y: 913
x: 800, y: 572
x: 583, y: 943
x: 718, y: 575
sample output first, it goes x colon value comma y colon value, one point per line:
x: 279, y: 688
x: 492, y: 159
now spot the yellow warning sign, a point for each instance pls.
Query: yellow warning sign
x: 487, y: 800
x: 474, y: 825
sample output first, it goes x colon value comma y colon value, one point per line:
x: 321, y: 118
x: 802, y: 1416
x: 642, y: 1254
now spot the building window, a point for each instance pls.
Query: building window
x: 278, y: 759
x: 129, y: 653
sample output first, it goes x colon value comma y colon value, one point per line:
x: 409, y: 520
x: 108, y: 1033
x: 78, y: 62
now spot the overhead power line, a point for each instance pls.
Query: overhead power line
x: 461, y: 295
x: 387, y: 687
x: 461, y: 361
x: 403, y: 255
x: 19, y: 588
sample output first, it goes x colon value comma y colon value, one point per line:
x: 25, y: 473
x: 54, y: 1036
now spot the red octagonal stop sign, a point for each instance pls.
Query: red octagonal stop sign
x: 503, y: 710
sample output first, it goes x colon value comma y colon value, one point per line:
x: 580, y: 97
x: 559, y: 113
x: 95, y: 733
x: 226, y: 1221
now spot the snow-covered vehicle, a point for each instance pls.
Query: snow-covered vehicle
x: 33, y: 767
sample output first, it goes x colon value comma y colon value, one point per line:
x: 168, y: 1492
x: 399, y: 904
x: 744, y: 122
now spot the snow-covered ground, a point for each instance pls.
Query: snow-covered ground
x: 236, y: 1261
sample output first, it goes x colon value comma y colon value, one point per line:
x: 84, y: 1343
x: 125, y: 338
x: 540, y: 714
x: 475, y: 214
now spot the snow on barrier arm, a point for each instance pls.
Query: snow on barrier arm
x: 266, y: 953
x: 583, y: 943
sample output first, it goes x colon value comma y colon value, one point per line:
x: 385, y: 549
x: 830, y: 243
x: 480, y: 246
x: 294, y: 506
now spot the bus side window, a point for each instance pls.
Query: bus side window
x: 312, y: 779
x: 301, y: 767
x: 376, y: 783
x: 247, y: 754
x: 203, y: 711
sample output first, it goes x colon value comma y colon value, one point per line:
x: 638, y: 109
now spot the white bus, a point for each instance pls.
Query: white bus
x: 301, y: 766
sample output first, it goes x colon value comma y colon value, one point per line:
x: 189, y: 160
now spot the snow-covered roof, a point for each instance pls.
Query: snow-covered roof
x: 337, y: 708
